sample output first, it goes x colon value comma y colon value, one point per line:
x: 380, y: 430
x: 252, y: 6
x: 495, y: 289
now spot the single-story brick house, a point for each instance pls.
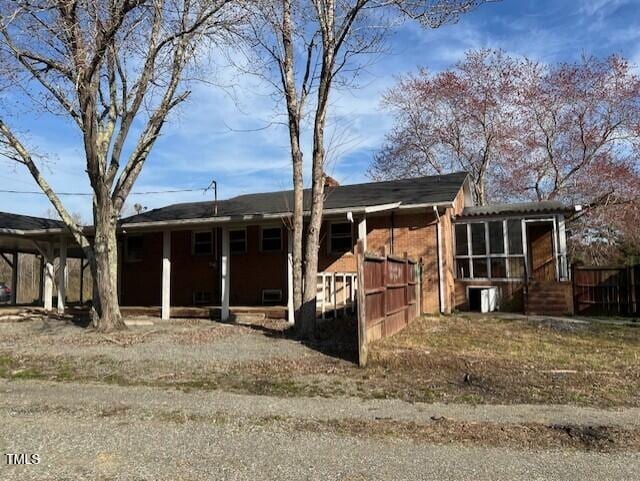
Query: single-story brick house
x: 237, y: 252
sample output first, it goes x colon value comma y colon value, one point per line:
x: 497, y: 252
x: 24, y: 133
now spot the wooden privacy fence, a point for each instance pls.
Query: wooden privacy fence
x: 606, y: 290
x: 388, y: 296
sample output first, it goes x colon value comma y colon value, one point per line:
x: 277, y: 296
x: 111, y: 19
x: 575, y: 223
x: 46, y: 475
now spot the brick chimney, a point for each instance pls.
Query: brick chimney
x: 330, y: 181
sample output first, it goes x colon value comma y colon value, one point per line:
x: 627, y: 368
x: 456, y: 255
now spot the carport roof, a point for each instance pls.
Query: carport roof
x: 26, y: 223
x: 437, y: 189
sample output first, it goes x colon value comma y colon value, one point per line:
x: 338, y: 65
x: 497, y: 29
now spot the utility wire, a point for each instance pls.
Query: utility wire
x: 37, y: 192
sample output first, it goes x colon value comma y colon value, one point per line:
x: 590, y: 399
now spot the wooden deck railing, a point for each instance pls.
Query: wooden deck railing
x: 337, y: 293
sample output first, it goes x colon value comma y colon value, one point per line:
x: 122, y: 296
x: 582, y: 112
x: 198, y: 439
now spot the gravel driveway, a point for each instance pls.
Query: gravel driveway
x: 136, y: 433
x: 80, y: 447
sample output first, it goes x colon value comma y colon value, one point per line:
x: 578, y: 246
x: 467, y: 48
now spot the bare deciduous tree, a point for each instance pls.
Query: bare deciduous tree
x: 568, y: 132
x: 116, y: 69
x: 312, y: 46
x: 459, y: 119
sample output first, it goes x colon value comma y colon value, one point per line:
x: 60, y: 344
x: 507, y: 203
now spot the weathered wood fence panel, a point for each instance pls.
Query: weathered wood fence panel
x: 388, y: 297
x: 606, y: 290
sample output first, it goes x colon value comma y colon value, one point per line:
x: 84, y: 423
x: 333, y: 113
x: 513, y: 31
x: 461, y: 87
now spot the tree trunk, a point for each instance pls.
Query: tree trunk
x: 298, y: 228
x: 105, y: 271
x: 480, y: 191
x: 294, y: 106
x: 308, y: 313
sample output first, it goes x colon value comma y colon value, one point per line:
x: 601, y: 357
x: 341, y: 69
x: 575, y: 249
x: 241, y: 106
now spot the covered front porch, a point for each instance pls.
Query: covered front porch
x: 225, y: 268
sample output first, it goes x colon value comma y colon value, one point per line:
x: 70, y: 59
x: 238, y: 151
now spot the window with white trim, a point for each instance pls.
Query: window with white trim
x: 340, y: 237
x: 202, y: 243
x: 491, y: 249
x: 271, y: 239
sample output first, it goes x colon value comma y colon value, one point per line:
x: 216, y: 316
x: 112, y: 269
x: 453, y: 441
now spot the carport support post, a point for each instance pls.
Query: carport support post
x: 290, y: 313
x: 48, y: 279
x: 62, y: 275
x: 14, y: 279
x: 225, y: 280
x: 166, y: 275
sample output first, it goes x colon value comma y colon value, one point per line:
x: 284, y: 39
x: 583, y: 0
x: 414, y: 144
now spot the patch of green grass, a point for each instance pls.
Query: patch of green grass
x: 28, y: 373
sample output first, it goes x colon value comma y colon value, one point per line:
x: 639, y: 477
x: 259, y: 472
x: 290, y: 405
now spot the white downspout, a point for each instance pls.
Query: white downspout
x: 440, y: 269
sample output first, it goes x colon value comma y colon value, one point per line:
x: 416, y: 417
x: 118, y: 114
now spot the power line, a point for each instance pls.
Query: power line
x: 152, y: 192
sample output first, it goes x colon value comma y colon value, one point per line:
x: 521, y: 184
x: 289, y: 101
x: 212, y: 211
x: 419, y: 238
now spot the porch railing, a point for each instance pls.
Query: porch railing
x: 337, y: 293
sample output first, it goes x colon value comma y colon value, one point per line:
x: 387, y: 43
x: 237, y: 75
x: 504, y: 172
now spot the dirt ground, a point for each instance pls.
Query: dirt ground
x: 444, y: 359
x: 447, y: 398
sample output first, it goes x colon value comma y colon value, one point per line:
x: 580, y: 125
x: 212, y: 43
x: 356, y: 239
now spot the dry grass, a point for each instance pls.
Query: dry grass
x: 514, y: 361
x: 447, y: 359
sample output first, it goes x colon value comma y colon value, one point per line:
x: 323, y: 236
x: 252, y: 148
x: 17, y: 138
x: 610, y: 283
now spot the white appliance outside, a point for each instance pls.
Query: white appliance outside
x: 489, y: 299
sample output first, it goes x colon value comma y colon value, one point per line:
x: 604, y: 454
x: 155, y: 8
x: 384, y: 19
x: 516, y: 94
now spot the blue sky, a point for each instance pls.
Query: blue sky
x: 215, y: 136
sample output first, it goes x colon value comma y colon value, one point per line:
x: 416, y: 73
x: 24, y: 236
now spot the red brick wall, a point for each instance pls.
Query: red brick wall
x: 414, y: 234
x: 253, y: 271
x: 191, y: 273
x: 141, y: 282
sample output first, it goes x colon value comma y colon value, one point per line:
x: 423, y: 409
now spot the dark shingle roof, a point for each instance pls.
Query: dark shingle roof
x: 26, y: 222
x: 543, y: 207
x: 421, y: 190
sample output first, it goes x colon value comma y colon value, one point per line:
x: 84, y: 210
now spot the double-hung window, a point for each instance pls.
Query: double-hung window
x: 340, y: 237
x: 271, y: 239
x: 238, y: 241
x: 202, y: 243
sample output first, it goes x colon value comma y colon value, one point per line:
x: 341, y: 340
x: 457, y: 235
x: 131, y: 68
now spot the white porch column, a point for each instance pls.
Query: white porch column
x: 562, y: 249
x: 62, y: 275
x: 290, y: 311
x: 362, y: 231
x: 166, y: 275
x: 48, y: 279
x: 225, y: 280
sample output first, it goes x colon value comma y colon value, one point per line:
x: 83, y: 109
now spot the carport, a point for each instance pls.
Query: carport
x: 49, y: 240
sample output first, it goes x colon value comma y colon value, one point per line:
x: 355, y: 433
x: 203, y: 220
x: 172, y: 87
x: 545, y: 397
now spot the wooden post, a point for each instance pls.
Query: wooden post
x: 573, y: 289
x: 344, y: 294
x: 166, y: 275
x: 334, y: 281
x: 362, y: 314
x: 385, y: 271
x: 14, y: 279
x: 62, y: 275
x: 41, y: 281
x: 352, y: 292
x: 81, y: 297
x: 324, y: 295
x: 406, y: 289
